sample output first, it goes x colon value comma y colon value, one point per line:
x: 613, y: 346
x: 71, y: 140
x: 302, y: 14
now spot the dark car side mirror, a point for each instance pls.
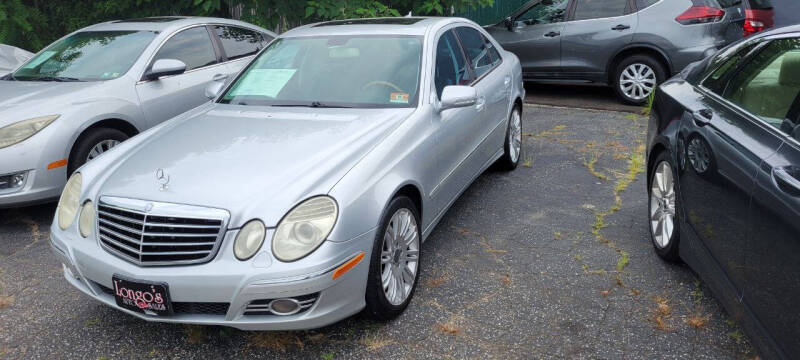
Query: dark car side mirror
x: 509, y: 23
x: 165, y: 67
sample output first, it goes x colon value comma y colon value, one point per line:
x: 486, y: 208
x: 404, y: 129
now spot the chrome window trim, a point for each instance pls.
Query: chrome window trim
x: 162, y: 209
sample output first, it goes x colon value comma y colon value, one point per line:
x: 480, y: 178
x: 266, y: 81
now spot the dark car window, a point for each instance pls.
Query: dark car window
x: 729, y: 3
x: 545, y: 12
x: 724, y: 65
x: 238, y: 42
x: 192, y: 46
x: 597, y: 9
x: 768, y: 85
x: 451, y: 67
x: 496, y: 59
x: 644, y: 4
x: 476, y: 50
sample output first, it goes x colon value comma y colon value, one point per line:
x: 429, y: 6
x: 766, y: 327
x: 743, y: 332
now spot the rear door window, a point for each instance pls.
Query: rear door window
x: 476, y: 50
x: 598, y: 9
x: 644, y: 4
x: 192, y: 46
x: 238, y: 42
x: 545, y: 12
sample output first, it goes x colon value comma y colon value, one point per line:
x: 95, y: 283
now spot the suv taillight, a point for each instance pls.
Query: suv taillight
x: 751, y: 24
x: 700, y: 15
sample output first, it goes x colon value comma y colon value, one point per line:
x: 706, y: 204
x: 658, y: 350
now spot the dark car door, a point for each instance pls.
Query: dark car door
x: 595, y: 31
x: 772, y: 287
x: 721, y: 146
x: 535, y: 37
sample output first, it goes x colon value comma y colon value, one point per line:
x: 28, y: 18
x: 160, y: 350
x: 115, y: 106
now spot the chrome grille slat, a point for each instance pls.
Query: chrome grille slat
x: 152, y: 233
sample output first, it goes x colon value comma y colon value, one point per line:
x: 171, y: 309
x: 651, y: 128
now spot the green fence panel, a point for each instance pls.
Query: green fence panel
x: 492, y: 14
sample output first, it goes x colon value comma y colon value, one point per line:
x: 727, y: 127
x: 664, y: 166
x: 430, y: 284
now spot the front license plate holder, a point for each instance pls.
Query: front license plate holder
x: 146, y: 297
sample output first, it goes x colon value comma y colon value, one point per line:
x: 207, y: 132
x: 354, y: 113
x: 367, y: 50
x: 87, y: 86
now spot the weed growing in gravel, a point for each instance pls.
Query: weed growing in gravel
x: 436, y: 282
x: 375, y: 341
x: 195, y: 334
x: 737, y: 336
x: 277, y: 341
x: 528, y: 162
x: 697, y: 321
x: 623, y: 261
x: 448, y: 327
x: 590, y: 165
x: 661, y: 313
x: 327, y: 356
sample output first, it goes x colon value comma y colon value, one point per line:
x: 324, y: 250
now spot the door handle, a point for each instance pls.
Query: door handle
x: 481, y: 103
x: 787, y: 181
x: 703, y: 117
x: 621, y: 27
x: 507, y: 81
x: 552, y: 34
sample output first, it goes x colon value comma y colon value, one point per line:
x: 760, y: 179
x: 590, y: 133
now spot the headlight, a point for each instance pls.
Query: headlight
x: 249, y: 239
x: 22, y: 130
x: 68, y: 204
x: 304, y: 228
x: 86, y: 219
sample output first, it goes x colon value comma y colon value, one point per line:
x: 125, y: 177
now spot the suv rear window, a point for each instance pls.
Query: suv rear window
x: 760, y: 4
x: 729, y: 3
x: 643, y: 4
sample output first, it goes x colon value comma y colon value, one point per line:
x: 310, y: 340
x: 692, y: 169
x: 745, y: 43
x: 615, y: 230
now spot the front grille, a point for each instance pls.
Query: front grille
x: 207, y: 308
x: 149, y: 234
x: 261, y: 307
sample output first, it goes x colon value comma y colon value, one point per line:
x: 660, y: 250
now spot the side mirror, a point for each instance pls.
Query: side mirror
x: 509, y: 23
x: 215, y: 86
x: 456, y: 96
x: 165, y: 67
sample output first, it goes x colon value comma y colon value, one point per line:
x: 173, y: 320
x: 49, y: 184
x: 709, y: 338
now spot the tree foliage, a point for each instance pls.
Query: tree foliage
x: 32, y: 24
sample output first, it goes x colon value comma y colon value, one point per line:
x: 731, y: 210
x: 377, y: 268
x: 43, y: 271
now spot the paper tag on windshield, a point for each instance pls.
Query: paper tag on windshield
x: 263, y: 82
x: 398, y: 98
x: 40, y: 59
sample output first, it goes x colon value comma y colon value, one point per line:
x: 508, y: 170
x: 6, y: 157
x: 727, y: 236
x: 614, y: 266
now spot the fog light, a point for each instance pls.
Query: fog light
x: 284, y: 306
x: 13, y: 181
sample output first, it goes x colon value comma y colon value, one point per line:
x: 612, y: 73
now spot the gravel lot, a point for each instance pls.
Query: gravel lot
x: 550, y: 261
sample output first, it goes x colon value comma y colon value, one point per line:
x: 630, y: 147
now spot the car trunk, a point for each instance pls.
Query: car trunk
x: 731, y: 28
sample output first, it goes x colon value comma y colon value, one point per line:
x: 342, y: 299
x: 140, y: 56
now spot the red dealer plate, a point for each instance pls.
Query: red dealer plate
x: 141, y: 296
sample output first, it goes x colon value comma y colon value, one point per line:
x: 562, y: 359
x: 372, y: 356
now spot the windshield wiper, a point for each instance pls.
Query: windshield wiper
x: 57, y: 78
x: 313, y: 104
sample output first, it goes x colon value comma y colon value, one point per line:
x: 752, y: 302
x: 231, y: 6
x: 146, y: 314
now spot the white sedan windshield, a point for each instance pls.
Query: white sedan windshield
x: 333, y: 71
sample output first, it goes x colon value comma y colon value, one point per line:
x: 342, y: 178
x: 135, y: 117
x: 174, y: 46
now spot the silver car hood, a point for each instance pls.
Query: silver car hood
x: 42, y: 98
x: 253, y: 162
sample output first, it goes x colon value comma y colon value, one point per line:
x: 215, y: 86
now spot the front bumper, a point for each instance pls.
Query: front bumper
x: 226, y: 280
x: 32, y: 156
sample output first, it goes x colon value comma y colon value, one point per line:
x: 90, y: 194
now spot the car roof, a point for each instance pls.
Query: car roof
x: 374, y: 26
x: 791, y: 29
x: 164, y: 24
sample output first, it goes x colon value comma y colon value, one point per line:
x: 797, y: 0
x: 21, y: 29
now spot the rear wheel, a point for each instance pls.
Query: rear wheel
x: 92, y: 144
x: 663, y: 209
x: 394, y: 264
x: 636, y: 77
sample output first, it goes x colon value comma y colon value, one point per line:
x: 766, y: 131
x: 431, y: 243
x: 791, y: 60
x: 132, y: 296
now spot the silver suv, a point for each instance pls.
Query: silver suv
x: 632, y: 45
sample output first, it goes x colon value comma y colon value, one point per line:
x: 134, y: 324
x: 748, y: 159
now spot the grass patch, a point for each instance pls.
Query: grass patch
x: 327, y: 356
x: 623, y: 261
x: 661, y: 313
x: 195, y: 334
x: 277, y: 341
x: 590, y: 164
x: 698, y: 321
x: 528, y: 162
x: 375, y: 341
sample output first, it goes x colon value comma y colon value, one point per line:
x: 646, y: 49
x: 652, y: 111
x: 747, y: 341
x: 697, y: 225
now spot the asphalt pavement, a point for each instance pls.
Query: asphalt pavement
x: 551, y: 261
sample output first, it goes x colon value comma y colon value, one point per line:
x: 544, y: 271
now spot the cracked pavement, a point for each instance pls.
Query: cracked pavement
x: 543, y: 262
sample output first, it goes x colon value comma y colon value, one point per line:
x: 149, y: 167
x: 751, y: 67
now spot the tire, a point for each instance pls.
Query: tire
x: 508, y: 161
x: 88, y: 140
x: 638, y: 65
x: 666, y: 246
x: 380, y: 305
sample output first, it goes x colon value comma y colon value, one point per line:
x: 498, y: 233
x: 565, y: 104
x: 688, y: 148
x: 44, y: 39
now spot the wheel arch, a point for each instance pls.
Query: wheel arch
x: 654, y: 152
x: 113, y: 123
x: 635, y: 49
x: 412, y: 192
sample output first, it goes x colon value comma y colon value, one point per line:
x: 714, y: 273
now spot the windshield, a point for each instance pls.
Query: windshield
x: 87, y: 56
x: 333, y: 71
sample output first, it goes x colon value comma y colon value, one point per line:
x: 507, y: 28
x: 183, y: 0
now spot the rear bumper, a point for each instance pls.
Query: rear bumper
x: 226, y: 280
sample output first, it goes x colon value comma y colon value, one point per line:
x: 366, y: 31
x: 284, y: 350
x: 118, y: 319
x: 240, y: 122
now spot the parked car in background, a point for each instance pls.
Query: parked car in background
x: 630, y: 45
x: 11, y: 58
x: 759, y: 16
x: 313, y: 179
x: 724, y: 182
x: 100, y: 85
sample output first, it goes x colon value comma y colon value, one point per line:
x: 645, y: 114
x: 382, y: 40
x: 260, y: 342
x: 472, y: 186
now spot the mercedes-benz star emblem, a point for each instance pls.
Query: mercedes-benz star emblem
x: 163, y: 179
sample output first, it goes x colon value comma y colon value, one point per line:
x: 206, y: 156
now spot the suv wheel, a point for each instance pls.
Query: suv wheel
x: 636, y: 77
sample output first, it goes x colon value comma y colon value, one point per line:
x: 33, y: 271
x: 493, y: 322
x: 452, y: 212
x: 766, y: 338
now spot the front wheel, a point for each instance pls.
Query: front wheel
x: 394, y: 264
x: 512, y: 148
x: 663, y: 209
x: 92, y: 144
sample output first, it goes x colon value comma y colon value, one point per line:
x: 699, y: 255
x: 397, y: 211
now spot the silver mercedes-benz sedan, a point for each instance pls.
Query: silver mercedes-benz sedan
x: 100, y: 85
x: 302, y: 194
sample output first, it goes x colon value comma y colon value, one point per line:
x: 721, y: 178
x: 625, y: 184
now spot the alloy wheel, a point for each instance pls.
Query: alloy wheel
x: 399, y: 256
x: 662, y: 205
x: 100, y: 148
x: 515, y: 136
x: 637, y: 81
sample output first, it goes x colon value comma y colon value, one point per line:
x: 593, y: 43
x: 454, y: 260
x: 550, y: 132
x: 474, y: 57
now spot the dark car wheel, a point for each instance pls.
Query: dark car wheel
x: 513, y: 143
x: 663, y: 209
x: 93, y: 143
x: 394, y: 264
x: 636, y: 77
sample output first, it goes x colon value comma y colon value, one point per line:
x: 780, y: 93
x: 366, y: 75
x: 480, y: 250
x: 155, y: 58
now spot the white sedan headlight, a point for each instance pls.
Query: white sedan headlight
x: 69, y: 201
x: 304, y: 228
x: 249, y: 239
x: 19, y: 131
x: 86, y: 219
